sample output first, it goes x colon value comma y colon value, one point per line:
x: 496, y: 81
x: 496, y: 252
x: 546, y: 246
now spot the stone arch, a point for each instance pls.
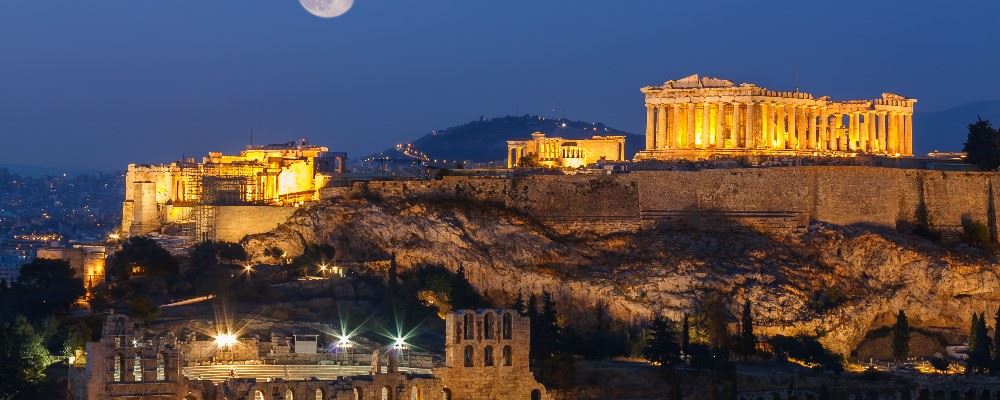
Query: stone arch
x: 507, y: 325
x: 258, y: 395
x: 468, y: 323
x: 536, y: 394
x: 161, y: 367
x: 489, y: 325
x: 289, y: 394
x: 119, y: 364
x: 488, y: 356
x: 469, y: 354
x: 446, y: 394
x: 386, y: 393
x: 415, y: 392
x: 319, y: 394
x: 507, y: 356
x: 358, y: 394
x: 137, y: 368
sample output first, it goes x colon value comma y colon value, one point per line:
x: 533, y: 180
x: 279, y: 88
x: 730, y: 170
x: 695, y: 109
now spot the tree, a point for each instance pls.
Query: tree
x: 686, y: 337
x: 44, y: 287
x: 545, y: 332
x: 982, y: 146
x: 142, y: 256
x: 901, y: 337
x: 716, y: 319
x: 979, y: 345
x: 661, y: 341
x: 748, y: 340
x: 995, y: 366
x: 23, y: 356
x: 519, y: 305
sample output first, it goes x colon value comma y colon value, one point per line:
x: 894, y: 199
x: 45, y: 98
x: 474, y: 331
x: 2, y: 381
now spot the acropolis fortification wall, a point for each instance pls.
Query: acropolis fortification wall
x: 770, y: 198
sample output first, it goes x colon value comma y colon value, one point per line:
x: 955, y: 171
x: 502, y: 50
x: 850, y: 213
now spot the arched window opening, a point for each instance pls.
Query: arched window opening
x: 137, y: 368
x: 161, y: 367
x: 258, y: 395
x: 536, y: 394
x: 489, y: 326
x: 357, y: 394
x: 289, y: 395
x: 445, y: 394
x: 415, y: 392
x: 488, y: 356
x: 468, y: 325
x: 118, y: 368
x: 468, y: 356
x: 386, y: 393
x: 508, y: 322
x: 319, y: 394
x: 507, y: 356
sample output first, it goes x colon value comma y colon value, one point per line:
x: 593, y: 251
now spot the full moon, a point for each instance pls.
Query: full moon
x: 327, y: 8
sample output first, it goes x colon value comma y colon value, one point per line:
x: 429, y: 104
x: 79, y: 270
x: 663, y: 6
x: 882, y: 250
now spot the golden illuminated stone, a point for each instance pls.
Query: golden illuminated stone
x: 703, y: 117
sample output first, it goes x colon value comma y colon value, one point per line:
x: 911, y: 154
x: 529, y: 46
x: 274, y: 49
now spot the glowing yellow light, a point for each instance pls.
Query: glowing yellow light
x: 225, y: 340
x: 399, y: 344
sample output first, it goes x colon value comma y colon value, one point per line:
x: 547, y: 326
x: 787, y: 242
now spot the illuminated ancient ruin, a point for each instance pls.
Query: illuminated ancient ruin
x: 557, y: 152
x: 701, y: 117
x: 271, y: 175
x: 486, y: 358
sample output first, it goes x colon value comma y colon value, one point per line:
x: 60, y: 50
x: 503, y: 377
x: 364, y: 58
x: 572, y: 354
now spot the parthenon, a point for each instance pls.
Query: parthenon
x: 701, y: 117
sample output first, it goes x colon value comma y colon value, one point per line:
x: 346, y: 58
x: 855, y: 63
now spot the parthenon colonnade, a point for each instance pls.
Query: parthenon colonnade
x: 697, y: 117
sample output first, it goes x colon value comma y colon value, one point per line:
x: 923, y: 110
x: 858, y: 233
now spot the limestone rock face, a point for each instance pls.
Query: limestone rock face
x: 836, y: 282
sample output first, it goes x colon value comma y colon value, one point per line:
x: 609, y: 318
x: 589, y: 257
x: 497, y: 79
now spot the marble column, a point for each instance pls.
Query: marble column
x: 781, y: 129
x: 870, y: 124
x: 673, y: 127
x: 811, y: 128
x: 852, y: 136
x: 735, y: 133
x: 824, y: 133
x: 749, y: 127
x: 661, y: 126
x: 883, y: 131
x: 689, y: 142
x: 908, y: 137
x: 706, y: 113
x: 793, y: 127
x: 765, y: 126
x: 893, y: 133
x: 720, y: 125
x: 650, y: 125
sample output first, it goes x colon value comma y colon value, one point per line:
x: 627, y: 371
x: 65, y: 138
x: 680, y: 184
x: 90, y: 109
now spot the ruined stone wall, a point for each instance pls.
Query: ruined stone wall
x: 232, y: 223
x: 775, y: 199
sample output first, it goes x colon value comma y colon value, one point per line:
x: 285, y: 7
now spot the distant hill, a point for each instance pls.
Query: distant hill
x: 946, y: 130
x: 486, y: 140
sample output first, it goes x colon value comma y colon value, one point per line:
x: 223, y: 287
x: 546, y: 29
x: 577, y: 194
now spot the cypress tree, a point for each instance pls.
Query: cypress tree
x: 995, y: 365
x: 901, y: 337
x: 686, y: 337
x: 661, y: 342
x: 550, y: 325
x: 747, y: 337
x: 979, y: 345
x: 518, y: 303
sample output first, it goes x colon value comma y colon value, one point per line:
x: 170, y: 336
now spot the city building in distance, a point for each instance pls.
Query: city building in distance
x: 702, y: 117
x: 557, y: 152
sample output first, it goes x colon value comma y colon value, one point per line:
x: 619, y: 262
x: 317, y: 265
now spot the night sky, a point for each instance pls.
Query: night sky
x: 101, y: 83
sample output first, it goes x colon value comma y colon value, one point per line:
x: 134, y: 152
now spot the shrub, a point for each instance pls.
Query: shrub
x: 976, y: 233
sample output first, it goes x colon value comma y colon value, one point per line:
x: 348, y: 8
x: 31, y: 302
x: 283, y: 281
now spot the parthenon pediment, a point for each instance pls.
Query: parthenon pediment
x: 696, y: 81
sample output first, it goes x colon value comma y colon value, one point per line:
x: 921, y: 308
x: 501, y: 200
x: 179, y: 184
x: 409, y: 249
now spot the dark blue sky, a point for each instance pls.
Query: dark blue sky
x: 96, y: 84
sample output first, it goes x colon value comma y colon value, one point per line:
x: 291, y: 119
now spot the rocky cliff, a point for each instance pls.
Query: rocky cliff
x: 837, y: 282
